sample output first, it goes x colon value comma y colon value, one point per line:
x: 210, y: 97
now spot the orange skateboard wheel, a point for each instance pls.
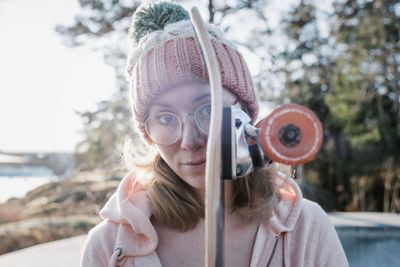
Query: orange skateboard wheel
x: 292, y: 134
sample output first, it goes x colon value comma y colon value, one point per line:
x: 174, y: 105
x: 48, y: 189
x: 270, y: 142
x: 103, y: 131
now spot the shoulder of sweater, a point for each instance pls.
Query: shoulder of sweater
x: 103, y: 233
x: 312, y: 212
x: 105, y: 227
x: 99, y: 244
x: 312, y: 222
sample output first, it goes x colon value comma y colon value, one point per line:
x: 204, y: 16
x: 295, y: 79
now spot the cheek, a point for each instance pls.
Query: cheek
x: 168, y: 154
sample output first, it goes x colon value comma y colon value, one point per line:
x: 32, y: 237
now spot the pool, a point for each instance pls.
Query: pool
x: 369, y: 239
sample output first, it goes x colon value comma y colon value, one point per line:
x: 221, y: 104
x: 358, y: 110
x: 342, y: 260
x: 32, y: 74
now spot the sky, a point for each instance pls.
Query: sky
x: 42, y: 82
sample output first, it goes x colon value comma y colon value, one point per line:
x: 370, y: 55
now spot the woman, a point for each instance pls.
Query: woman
x: 156, y: 217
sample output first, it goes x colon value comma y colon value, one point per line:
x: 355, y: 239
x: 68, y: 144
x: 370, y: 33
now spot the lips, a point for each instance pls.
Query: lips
x: 194, y: 162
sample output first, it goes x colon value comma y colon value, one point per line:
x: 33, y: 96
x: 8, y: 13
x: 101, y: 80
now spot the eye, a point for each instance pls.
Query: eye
x: 204, y: 111
x: 166, y: 118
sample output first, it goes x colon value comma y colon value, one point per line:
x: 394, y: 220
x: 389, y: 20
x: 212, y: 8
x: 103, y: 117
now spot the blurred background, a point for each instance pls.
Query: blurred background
x: 64, y: 108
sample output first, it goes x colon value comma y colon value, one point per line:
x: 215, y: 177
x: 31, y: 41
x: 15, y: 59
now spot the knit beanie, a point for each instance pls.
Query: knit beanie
x: 164, y: 53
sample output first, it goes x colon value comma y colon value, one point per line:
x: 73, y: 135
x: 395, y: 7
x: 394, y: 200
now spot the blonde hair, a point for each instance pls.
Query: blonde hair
x: 176, y: 204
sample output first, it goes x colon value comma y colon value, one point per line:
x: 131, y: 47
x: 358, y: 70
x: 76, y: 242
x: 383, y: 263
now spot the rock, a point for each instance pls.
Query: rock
x: 54, y: 211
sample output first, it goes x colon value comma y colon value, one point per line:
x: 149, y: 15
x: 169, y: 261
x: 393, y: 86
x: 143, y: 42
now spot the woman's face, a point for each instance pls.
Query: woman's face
x: 186, y: 156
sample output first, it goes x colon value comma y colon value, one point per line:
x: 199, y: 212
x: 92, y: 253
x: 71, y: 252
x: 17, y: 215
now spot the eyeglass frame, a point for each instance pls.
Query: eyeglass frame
x: 191, y: 114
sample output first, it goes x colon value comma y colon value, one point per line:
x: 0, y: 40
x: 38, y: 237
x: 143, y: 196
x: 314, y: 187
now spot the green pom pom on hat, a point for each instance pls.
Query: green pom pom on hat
x: 155, y: 16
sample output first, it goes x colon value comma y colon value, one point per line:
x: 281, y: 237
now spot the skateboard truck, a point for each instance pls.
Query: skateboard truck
x: 291, y: 134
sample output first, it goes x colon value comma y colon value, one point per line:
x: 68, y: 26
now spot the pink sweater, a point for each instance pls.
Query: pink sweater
x: 299, y: 233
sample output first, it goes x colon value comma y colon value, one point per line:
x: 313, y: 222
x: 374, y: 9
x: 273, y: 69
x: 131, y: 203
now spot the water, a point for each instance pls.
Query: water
x: 371, y: 246
x: 19, y: 186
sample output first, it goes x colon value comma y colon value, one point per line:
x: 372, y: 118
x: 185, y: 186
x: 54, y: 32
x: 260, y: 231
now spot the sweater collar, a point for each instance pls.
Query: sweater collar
x: 288, y: 208
x: 129, y: 206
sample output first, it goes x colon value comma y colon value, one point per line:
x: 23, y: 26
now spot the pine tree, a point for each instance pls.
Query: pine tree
x: 309, y: 62
x: 365, y: 99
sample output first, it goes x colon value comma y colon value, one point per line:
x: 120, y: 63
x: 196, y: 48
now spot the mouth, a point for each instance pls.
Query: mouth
x: 194, y: 163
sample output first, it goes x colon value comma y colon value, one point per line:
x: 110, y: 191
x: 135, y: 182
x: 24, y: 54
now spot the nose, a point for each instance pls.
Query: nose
x: 192, y: 137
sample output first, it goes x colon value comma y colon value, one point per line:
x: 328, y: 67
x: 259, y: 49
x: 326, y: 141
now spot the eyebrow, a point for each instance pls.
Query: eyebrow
x: 201, y: 97
x: 161, y: 104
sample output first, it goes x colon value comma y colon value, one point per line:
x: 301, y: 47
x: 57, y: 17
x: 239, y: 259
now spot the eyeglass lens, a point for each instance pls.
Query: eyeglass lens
x: 165, y: 128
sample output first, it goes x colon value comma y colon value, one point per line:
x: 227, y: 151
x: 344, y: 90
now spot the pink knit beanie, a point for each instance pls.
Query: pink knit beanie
x: 165, y: 53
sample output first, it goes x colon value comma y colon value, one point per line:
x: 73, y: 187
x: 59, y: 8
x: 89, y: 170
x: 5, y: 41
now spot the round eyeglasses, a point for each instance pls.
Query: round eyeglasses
x: 165, y: 128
